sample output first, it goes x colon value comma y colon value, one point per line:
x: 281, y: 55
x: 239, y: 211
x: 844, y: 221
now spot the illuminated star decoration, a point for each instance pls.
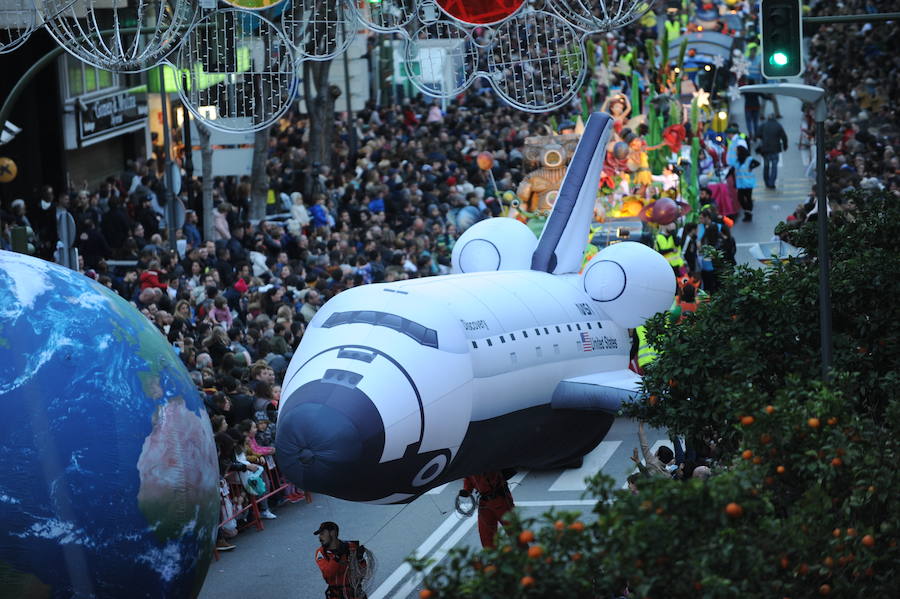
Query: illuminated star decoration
x: 702, y: 98
x: 740, y: 66
x: 718, y: 61
x: 734, y: 94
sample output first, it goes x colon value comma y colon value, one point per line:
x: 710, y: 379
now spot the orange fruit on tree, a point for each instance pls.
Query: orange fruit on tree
x: 803, y: 569
x: 824, y: 589
x: 770, y: 409
x: 559, y: 525
x: 813, y: 422
x: 868, y: 541
x: 851, y: 532
x: 780, y: 470
x: 828, y: 562
x: 765, y: 438
x: 757, y: 460
x: 747, y: 420
x: 747, y: 454
x: 837, y: 462
x: 535, y: 551
x: 832, y: 421
x: 527, y: 581
x: 836, y: 532
x: 577, y: 526
x: 785, y: 562
x: 576, y: 556
x: 769, y: 481
x: 673, y: 383
x: 734, y: 510
x: 526, y: 536
x: 490, y: 569
x: 426, y: 594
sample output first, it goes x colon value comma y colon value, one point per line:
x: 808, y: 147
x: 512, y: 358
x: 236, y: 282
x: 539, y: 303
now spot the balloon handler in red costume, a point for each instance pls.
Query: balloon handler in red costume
x: 494, y: 500
x: 343, y: 563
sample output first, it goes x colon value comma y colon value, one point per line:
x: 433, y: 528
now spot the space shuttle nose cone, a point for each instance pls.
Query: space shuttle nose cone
x: 329, y: 433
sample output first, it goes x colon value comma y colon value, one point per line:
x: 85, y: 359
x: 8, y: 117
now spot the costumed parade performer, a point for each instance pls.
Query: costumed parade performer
x: 494, y: 500
x: 343, y: 564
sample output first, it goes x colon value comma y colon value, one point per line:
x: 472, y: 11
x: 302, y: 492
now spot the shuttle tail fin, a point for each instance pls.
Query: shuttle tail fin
x: 561, y: 246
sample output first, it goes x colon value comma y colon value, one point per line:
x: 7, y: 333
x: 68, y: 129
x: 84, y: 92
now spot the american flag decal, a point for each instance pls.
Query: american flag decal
x: 586, y: 344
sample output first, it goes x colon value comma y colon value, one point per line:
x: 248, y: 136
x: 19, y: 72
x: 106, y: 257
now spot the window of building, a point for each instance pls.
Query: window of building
x: 84, y: 79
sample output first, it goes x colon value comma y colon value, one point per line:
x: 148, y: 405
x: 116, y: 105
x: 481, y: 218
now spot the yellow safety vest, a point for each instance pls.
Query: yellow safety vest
x: 673, y: 28
x: 666, y: 246
x: 646, y: 353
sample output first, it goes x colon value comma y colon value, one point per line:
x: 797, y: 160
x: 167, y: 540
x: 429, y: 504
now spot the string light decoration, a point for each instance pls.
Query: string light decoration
x: 18, y: 18
x: 320, y: 29
x: 441, y: 59
x: 387, y: 16
x: 536, y: 61
x: 93, y: 31
x: 600, y: 16
x: 240, y: 71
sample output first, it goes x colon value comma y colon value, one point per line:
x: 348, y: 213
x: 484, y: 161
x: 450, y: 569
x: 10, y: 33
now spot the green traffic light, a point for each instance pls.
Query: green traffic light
x: 778, y: 59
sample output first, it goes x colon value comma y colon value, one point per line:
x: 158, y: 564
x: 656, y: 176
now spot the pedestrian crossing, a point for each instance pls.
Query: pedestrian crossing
x: 612, y: 457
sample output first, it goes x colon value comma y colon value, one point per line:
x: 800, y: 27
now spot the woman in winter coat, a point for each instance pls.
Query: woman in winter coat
x: 745, y: 180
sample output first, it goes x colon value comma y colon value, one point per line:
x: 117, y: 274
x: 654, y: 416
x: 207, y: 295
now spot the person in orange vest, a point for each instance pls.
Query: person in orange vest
x: 494, y: 501
x: 337, y: 560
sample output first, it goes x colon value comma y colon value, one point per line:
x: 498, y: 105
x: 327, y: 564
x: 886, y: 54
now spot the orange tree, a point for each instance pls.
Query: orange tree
x: 805, y: 496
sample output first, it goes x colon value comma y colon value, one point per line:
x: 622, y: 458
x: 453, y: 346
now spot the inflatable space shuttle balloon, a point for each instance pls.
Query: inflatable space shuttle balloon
x: 514, y: 360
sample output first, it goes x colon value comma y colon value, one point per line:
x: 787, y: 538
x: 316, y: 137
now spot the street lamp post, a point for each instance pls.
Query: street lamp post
x: 815, y: 96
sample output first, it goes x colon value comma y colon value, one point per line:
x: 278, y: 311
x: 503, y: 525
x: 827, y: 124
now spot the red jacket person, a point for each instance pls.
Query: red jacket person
x: 342, y: 563
x: 494, y: 501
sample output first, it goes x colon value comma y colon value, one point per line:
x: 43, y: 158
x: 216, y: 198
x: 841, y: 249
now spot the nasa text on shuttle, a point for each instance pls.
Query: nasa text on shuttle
x: 515, y: 360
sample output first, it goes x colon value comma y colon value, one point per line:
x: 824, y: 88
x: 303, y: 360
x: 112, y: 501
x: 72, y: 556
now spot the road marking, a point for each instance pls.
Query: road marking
x: 457, y: 535
x: 573, y: 479
x: 439, y: 555
x: 384, y: 590
x: 556, y: 503
x: 397, y: 576
x: 437, y: 490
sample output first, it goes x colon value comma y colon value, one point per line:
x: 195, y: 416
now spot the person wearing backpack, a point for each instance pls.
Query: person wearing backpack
x: 745, y: 181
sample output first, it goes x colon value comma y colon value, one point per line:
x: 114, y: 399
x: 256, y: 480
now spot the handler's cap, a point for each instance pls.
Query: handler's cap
x: 326, y: 526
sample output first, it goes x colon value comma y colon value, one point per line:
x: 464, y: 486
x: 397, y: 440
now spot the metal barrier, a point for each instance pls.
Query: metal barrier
x: 275, y: 483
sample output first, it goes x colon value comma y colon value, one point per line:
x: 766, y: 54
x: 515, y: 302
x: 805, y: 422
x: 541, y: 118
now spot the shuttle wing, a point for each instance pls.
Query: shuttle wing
x: 561, y: 246
x: 603, y: 391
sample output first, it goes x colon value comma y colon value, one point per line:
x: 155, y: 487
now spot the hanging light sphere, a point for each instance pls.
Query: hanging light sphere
x: 102, y: 33
x: 18, y: 18
x: 600, y: 15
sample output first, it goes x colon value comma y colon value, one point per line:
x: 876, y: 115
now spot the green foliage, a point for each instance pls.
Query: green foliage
x: 811, y: 467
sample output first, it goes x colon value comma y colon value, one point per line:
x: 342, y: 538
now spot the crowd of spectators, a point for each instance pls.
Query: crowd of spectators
x: 399, y: 184
x: 858, y: 66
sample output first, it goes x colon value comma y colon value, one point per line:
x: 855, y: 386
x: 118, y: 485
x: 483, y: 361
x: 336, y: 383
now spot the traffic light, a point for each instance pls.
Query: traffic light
x: 782, y: 38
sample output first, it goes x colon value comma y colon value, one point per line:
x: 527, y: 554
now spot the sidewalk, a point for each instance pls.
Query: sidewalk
x: 772, y: 206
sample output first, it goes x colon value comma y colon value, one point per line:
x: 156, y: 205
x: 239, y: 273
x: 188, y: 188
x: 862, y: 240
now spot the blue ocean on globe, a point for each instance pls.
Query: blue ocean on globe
x: 109, y: 478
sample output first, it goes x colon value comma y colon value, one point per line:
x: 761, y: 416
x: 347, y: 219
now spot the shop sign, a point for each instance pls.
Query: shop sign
x: 121, y: 111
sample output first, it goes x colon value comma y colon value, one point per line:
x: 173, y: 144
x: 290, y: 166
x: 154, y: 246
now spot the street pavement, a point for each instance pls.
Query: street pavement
x: 278, y: 562
x: 772, y: 206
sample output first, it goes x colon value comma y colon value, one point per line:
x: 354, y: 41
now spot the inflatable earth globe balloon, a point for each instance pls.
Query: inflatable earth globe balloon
x: 109, y: 485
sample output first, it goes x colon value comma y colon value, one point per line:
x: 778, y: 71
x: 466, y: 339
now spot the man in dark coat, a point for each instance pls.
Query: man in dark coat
x: 774, y: 141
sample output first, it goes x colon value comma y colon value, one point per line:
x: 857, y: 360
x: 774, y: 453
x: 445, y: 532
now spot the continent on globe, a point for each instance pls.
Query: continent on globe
x: 109, y: 486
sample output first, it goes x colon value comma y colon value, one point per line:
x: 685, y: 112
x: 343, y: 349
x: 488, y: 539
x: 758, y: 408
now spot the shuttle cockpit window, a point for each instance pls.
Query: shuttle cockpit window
x: 421, y: 334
